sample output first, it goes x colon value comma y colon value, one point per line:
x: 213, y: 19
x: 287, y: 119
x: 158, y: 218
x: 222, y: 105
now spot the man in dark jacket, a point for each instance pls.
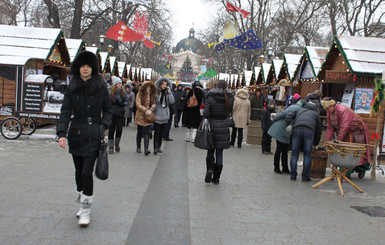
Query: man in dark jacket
x: 257, y: 102
x: 179, y: 104
x: 316, y: 97
x: 307, y: 130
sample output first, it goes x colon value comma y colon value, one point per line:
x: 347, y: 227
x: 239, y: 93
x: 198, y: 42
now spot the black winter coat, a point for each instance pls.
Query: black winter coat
x: 265, y: 119
x: 179, y: 103
x: 86, y: 101
x: 192, y: 115
x: 219, y: 116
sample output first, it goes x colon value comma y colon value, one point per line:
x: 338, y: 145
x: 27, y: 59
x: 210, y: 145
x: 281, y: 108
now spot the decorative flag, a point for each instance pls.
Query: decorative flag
x: 232, y: 8
x: 247, y: 40
x: 142, y: 2
x: 206, y: 60
x: 121, y: 32
x: 140, y: 23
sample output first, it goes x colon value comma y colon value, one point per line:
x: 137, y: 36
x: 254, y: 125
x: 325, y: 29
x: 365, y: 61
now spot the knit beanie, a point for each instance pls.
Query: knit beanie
x: 116, y: 80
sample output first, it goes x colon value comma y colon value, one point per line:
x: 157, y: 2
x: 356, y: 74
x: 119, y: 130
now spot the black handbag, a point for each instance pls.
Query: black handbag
x: 204, y: 138
x: 101, y: 168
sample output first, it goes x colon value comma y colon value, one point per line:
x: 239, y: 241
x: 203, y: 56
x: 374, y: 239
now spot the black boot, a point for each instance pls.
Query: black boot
x: 233, y: 136
x: 209, y: 169
x: 240, y: 142
x: 117, y: 146
x: 138, y: 143
x: 217, y: 173
x: 155, y: 147
x: 276, y: 168
x: 146, y: 144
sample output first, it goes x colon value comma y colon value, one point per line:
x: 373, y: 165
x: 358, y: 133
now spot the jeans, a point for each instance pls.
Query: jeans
x: 298, y: 137
x: 84, y: 166
x: 218, y: 155
x: 166, y: 131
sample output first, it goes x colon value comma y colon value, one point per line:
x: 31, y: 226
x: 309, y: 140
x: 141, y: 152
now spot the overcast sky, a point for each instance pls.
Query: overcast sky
x: 185, y: 13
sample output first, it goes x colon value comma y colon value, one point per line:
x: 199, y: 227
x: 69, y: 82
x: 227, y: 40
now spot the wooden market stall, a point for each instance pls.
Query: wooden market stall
x: 305, y: 74
x: 74, y: 47
x: 290, y: 63
x: 114, y: 66
x: 105, y: 65
x: 122, y: 70
x: 348, y: 73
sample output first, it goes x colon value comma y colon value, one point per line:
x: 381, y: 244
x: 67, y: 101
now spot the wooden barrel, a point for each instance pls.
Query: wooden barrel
x: 254, y: 132
x: 318, y: 164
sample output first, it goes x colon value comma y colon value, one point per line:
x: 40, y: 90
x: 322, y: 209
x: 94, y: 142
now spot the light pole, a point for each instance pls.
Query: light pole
x: 102, y: 38
x: 261, y: 59
x: 110, y: 49
x: 270, y: 53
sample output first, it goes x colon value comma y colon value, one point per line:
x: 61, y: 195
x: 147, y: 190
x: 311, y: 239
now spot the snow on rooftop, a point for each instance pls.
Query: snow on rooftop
x: 121, y: 67
x: 292, y: 61
x: 277, y: 64
x: 248, y: 75
x: 27, y: 41
x: 364, y: 54
x: 74, y: 46
x: 257, y: 69
x: 112, y: 62
x: 316, y: 56
x: 93, y: 49
x: 265, y: 71
x: 103, y: 59
x: 224, y: 76
x: 13, y: 60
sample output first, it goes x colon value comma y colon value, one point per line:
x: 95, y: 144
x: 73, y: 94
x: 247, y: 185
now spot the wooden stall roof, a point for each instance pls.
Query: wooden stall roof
x: 122, y: 69
x: 104, y: 62
x: 312, y: 59
x: 247, y: 75
x: 362, y: 55
x: 289, y: 65
x: 74, y: 47
x: 114, y: 66
x: 265, y: 69
x: 146, y: 73
x: 31, y: 42
x: 276, y: 67
x: 94, y: 50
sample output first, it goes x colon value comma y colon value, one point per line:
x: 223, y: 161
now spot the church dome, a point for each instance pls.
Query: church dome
x: 190, y: 43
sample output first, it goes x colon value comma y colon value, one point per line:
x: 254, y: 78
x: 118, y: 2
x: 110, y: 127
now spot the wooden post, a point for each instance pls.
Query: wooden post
x: 378, y: 133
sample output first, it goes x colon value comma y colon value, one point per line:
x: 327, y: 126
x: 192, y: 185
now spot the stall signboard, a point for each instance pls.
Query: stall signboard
x: 364, y: 97
x: 346, y: 77
x: 6, y: 111
x: 55, y: 56
x: 32, y: 97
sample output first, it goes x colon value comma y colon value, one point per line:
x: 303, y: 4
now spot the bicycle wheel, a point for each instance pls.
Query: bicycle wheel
x: 29, y: 125
x: 11, y: 128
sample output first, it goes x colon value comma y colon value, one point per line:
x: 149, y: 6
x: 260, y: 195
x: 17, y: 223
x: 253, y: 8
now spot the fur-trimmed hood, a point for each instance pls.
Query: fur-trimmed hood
x: 85, y: 58
x: 160, y: 80
x: 187, y: 87
x: 242, y: 94
x: 142, y: 89
x: 129, y: 86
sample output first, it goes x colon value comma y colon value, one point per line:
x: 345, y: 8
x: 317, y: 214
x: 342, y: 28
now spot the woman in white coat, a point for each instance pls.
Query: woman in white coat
x: 241, y: 115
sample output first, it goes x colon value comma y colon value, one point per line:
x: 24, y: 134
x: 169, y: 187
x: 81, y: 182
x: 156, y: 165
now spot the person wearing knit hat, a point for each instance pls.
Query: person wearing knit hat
x: 119, y: 100
x: 86, y: 99
x: 349, y: 128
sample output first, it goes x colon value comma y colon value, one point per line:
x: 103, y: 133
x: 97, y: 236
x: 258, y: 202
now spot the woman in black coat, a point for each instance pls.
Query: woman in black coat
x: 218, y: 106
x: 192, y: 114
x: 87, y: 99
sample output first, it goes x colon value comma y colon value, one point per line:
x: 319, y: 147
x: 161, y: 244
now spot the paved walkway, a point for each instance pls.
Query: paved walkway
x: 162, y: 199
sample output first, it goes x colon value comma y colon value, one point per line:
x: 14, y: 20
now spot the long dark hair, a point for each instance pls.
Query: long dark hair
x: 222, y: 84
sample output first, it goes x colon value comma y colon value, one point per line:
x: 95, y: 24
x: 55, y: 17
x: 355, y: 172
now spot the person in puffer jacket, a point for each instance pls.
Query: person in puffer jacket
x: 241, y: 116
x: 218, y: 106
x: 119, y: 99
x: 307, y: 130
x: 164, y: 99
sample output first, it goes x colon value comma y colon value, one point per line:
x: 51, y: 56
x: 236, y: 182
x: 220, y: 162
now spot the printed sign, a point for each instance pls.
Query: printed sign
x: 347, y: 98
x: 364, y: 97
x: 32, y: 97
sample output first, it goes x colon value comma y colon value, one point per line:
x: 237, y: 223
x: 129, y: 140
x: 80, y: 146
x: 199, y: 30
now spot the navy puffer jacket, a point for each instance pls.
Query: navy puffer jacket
x: 219, y: 116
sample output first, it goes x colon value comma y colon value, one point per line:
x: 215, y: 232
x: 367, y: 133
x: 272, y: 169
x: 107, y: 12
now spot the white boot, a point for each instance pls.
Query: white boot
x: 78, y: 202
x: 188, y: 132
x: 85, y: 216
x: 194, y: 132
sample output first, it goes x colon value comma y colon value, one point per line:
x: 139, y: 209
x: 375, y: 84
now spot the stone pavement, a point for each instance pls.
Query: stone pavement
x: 162, y: 199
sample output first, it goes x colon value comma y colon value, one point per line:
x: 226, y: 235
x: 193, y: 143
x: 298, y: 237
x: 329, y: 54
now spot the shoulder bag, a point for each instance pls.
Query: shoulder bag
x: 101, y: 168
x: 192, y: 101
x: 204, y: 138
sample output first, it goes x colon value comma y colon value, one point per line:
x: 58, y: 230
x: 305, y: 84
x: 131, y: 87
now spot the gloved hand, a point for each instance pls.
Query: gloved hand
x: 272, y: 116
x: 153, y: 106
x: 148, y: 112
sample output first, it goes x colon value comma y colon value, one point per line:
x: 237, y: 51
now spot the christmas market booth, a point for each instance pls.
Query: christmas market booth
x: 34, y: 63
x: 286, y: 74
x: 305, y: 74
x: 349, y: 71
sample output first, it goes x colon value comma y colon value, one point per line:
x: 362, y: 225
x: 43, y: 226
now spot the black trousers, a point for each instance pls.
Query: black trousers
x: 84, y: 167
x: 266, y: 142
x: 116, y: 127
x: 234, y: 135
x: 281, y: 153
x: 158, y: 128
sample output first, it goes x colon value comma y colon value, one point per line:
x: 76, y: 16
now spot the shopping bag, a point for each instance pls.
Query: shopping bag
x: 204, y: 138
x: 101, y: 168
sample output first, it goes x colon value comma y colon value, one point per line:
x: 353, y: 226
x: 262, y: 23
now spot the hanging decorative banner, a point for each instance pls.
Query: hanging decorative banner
x: 121, y: 32
x: 140, y: 23
x: 246, y: 41
x: 142, y: 2
x: 232, y: 8
x: 363, y: 99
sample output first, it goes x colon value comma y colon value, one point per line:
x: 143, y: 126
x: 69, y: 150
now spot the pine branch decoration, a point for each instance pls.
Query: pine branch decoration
x: 380, y: 87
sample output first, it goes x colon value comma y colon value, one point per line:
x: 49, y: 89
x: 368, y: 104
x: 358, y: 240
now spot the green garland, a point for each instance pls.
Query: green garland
x: 380, y: 87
